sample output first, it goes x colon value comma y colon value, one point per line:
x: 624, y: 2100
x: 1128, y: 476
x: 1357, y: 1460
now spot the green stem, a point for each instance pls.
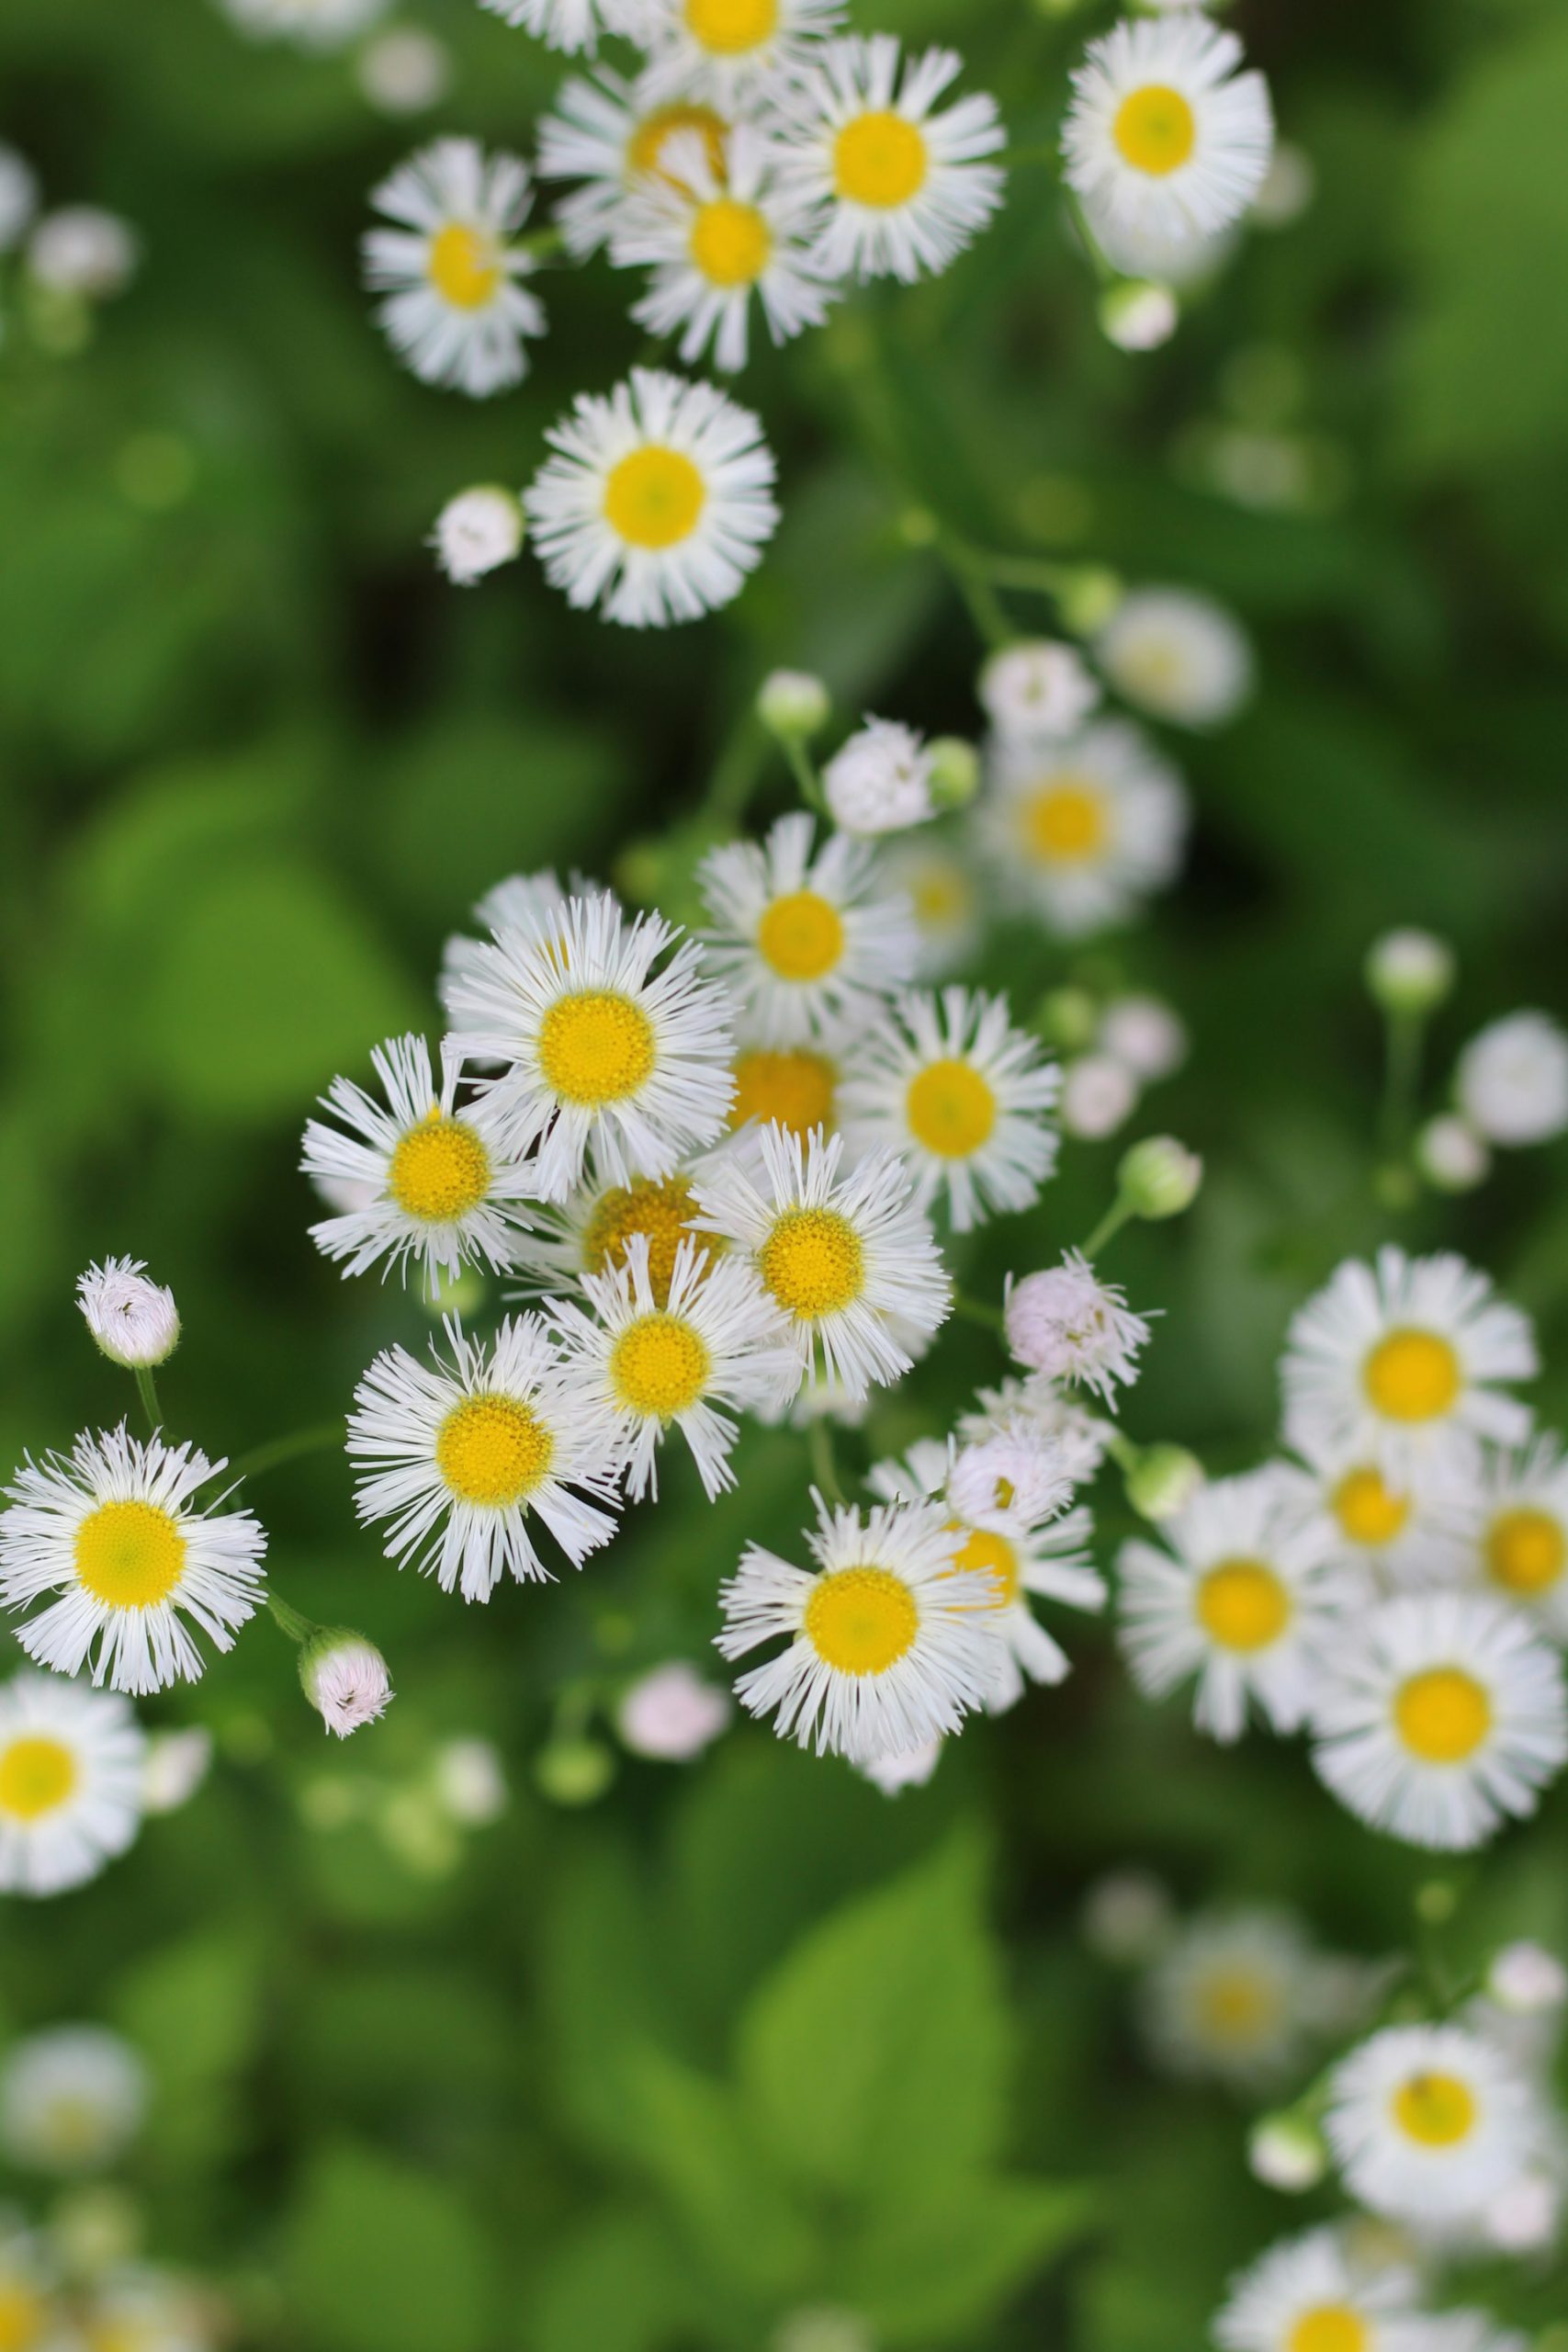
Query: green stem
x: 824, y: 1466
x: 1402, y: 1079
x: 1014, y: 158
x: 279, y: 1450
x: 1123, y: 1452
x: 288, y: 1621
x: 146, y: 1388
x: 803, y: 769
x: 1115, y: 1217
x: 975, y: 1310
x: 1097, y: 261
x: 986, y: 608
x: 736, y: 772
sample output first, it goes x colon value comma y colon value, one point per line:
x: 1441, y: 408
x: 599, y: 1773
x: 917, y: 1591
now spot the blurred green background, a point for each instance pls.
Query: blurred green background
x: 653, y: 2074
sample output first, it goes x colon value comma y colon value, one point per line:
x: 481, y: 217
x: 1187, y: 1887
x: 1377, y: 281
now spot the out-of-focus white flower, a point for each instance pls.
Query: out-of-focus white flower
x: 1525, y: 2218
x: 83, y: 251
x: 1159, y: 1177
x: 824, y: 2328
x: 346, y: 1679
x: 1081, y: 831
x: 1145, y: 1035
x: 1069, y: 1325
x: 1177, y: 655
x: 307, y: 24
x: 1310, y: 2295
x: 18, y: 196
x: 1428, y: 2124
x: 175, y: 1765
x: 71, y: 1762
x: 72, y: 2099
x: 477, y: 532
x: 1450, y: 1155
x: 794, y: 703
x: 134, y: 1321
x: 672, y: 1714
x: 470, y: 1781
x: 1099, y: 1095
x: 1287, y: 2153
x: 1527, y: 1980
x: 1289, y: 185
x: 1164, y: 134
x: 941, y: 886
x: 1409, y: 971
x: 893, y: 1774
x: 1139, y: 315
x: 880, y: 781
x: 1039, y: 688
x: 445, y: 260
x: 404, y: 71
x: 1126, y: 1917
x: 1229, y: 1997
x: 1512, y: 1080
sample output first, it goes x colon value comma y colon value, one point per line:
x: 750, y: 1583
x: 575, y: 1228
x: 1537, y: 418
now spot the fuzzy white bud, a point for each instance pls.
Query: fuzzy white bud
x: 1038, y: 690
x: 346, y: 1679
x: 1159, y: 1177
x: 404, y: 71
x: 1099, y: 1095
x: 470, y: 1781
x: 1527, y: 1980
x: 793, y: 704
x: 477, y: 532
x: 1287, y: 2153
x: 1069, y: 1324
x: 1450, y: 1155
x: 1409, y: 971
x: 1145, y: 1035
x: 1139, y: 315
x: 880, y: 781
x: 1163, y: 1481
x: 134, y: 1321
x: 671, y: 1714
x: 1512, y: 1080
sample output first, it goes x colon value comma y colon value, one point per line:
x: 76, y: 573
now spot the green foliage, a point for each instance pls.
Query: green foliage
x: 380, y: 2257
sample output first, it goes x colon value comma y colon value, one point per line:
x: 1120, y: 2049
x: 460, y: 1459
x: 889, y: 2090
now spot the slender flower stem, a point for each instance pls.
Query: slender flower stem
x: 975, y: 1310
x: 146, y: 1388
x: 1115, y: 1217
x: 802, y: 768
x: 288, y: 1621
x: 824, y: 1466
x: 986, y: 608
x: 1404, y: 1036
x: 289, y: 1448
x: 736, y: 772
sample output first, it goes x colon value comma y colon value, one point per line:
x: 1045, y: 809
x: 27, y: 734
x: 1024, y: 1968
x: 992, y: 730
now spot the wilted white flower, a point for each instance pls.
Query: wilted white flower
x: 477, y: 532
x: 880, y: 781
x: 346, y: 1679
x: 72, y: 2099
x: 81, y: 249
x: 672, y: 1714
x: 1450, y: 1155
x: 1069, y: 1325
x: 1177, y: 655
x: 1512, y: 1080
x: 1409, y: 971
x: 1099, y: 1095
x: 1039, y: 688
x: 134, y: 1321
x: 404, y: 71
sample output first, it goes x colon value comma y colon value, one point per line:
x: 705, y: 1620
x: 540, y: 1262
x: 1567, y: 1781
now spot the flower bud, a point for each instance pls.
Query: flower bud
x: 1138, y: 315
x: 1450, y: 1155
x: 574, y: 1771
x: 954, y: 771
x: 1088, y: 599
x: 404, y: 71
x: 1068, y: 1018
x: 1163, y: 1481
x: 477, y: 532
x: 793, y: 705
x: 672, y: 1714
x: 1288, y: 2152
x: 135, y: 1322
x: 1126, y: 1917
x: 1099, y: 1095
x: 1527, y: 1980
x: 880, y: 781
x: 1409, y: 972
x: 344, y: 1678
x: 470, y: 1781
x: 1159, y: 1177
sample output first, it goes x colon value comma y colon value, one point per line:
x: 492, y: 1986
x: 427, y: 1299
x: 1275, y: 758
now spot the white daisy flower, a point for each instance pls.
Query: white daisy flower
x: 726, y: 48
x: 1042, y: 1553
x: 591, y: 1231
x: 906, y: 187
x: 1512, y: 1080
x: 713, y: 1346
x: 793, y: 1087
x: 459, y: 1455
x: 893, y: 1774
x: 672, y: 1714
x: 569, y: 25
x: 1177, y: 655
x: 477, y: 532
x: 809, y: 944
x: 600, y: 1047
x: 114, y: 1529
x: 1081, y: 832
x: 72, y: 2099
x: 534, y: 903
x: 1230, y: 1997
x: 134, y: 1321
x: 442, y: 1187
x: 71, y: 1766
x: 1039, y: 690
x: 718, y: 232
x: 1418, y: 1531
x: 1244, y: 1605
x: 1164, y: 136
x: 962, y: 1096
x: 889, y: 1643
x: 657, y: 502
x: 847, y: 1257
x: 1520, y: 1548
x: 1427, y: 2123
x: 1398, y: 1365
x: 1010, y: 1478
x: 1446, y: 1716
x: 309, y: 24
x: 1081, y: 1437
x: 940, y: 884
x: 1308, y: 2295
x: 611, y: 134
x: 880, y: 781
x: 1067, y: 1324
x: 454, y: 308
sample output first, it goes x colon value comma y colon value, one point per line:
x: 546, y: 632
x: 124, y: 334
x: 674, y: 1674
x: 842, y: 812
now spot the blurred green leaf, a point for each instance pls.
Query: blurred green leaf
x: 381, y: 2258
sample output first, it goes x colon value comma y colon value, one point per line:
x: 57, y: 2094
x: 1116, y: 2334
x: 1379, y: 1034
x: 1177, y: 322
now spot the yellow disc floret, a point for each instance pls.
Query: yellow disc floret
x: 860, y: 1621
x: 792, y: 1089
x: 660, y: 1211
x: 951, y: 1108
x: 1436, y: 2110
x: 595, y: 1048
x: 879, y: 160
x: 1329, y: 2327
x: 801, y: 935
x: 1063, y: 822
x: 1443, y: 1714
x: 37, y: 1774
x: 439, y: 1170
x: 1526, y: 1551
x: 1367, y: 1510
x: 1238, y: 2008
x: 129, y: 1555
x: 991, y: 1555
x: 731, y: 28
x: 464, y: 265
x: 654, y: 498
x: 660, y: 1365
x: 730, y: 243
x: 1412, y: 1376
x: 494, y: 1450
x: 1243, y: 1605
x: 812, y: 1262
x: 1155, y: 130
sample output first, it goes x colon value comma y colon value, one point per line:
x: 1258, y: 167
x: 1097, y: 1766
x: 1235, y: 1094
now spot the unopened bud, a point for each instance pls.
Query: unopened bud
x: 1450, y: 1155
x: 134, y: 1321
x: 954, y: 771
x: 1159, y: 1177
x: 793, y: 705
x: 1068, y: 1018
x: 1089, y: 598
x: 1163, y: 1481
x: 477, y: 532
x: 1138, y: 315
x: 344, y: 1678
x: 574, y: 1771
x: 1409, y: 972
x: 1288, y: 2152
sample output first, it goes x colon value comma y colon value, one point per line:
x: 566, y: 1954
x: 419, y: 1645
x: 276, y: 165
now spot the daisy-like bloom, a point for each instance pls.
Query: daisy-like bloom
x: 1520, y: 1549
x: 793, y: 1087
x: 133, y: 1320
x: 1512, y: 1080
x: 591, y: 1231
x: 477, y: 532
x: 1418, y: 1531
x: 962, y: 1096
x: 309, y: 24
x: 610, y: 134
x: 714, y: 1345
x: 657, y: 502
x: 1427, y: 2123
x: 890, y: 1643
x: 1177, y: 655
x: 455, y: 309
x: 1038, y: 689
x: 1444, y: 1717
x: 1164, y: 136
x: 459, y: 1455
x: 1081, y: 831
x: 1081, y: 1438
x: 116, y: 1531
x: 442, y: 1188
x: 571, y: 25
x: 1066, y: 1323
x: 1022, y: 1553
x: 672, y: 1714
x: 880, y: 781
x: 1231, y: 1997
x: 725, y: 49
x: 72, y: 2099
x: 846, y: 1257
x: 605, y: 1042
x: 1245, y: 1603
x: 718, y: 231
x: 534, y: 903
x: 941, y: 886
x: 70, y: 1765
x: 906, y: 187
x: 809, y: 944
x: 1308, y: 2295
x: 1398, y: 1363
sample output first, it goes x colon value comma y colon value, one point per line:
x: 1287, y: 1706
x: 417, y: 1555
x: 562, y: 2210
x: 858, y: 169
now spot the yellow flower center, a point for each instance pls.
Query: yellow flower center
x: 731, y: 27
x: 129, y: 1555
x: 1242, y: 1605
x: 439, y: 1170
x: 879, y: 160
x: 463, y: 266
x: 660, y: 1212
x: 1442, y: 1716
x: 860, y: 1621
x: 730, y: 242
x: 950, y: 1108
x: 1235, y: 2006
x: 654, y: 498
x: 1412, y: 1376
x: 595, y: 1048
x: 645, y: 149
x: 37, y: 1774
x: 1367, y: 1511
x: 1437, y: 2110
x: 994, y: 1556
x: 22, y: 2317
x: 660, y: 1365
x: 794, y: 1088
x: 812, y: 1262
x: 492, y: 1450
x: 801, y: 935
x: 1064, y: 822
x: 1525, y: 1550
x: 1154, y: 130
x: 1330, y: 2327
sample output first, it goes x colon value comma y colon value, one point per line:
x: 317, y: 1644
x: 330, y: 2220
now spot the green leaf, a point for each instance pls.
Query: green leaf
x: 600, y: 1995
x: 932, y: 2275
x: 698, y: 2148
x: 616, y: 2286
x: 194, y: 2011
x: 381, y: 2258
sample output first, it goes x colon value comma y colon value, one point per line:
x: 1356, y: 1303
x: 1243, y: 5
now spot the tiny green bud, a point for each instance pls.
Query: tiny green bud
x: 1138, y: 315
x: 1068, y: 1017
x: 1409, y: 972
x: 1163, y: 1480
x: 793, y: 705
x: 1287, y: 2152
x: 1437, y: 1900
x: 954, y: 771
x: 1088, y: 599
x: 574, y: 1771
x: 1159, y: 1177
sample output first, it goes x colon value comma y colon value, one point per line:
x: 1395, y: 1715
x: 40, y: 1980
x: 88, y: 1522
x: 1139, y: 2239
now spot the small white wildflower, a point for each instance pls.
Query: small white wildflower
x: 82, y: 251
x: 134, y: 1321
x: 880, y: 782
x: 1177, y: 655
x: 1099, y: 1095
x: 72, y: 2099
x: 404, y: 71
x: 672, y: 1714
x: 1512, y: 1081
x: 477, y: 532
x: 1069, y: 1324
x: 1450, y: 1155
x: 346, y: 1679
x: 1039, y: 688
x: 1527, y: 1980
x: 1144, y: 1035
x: 470, y: 1780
